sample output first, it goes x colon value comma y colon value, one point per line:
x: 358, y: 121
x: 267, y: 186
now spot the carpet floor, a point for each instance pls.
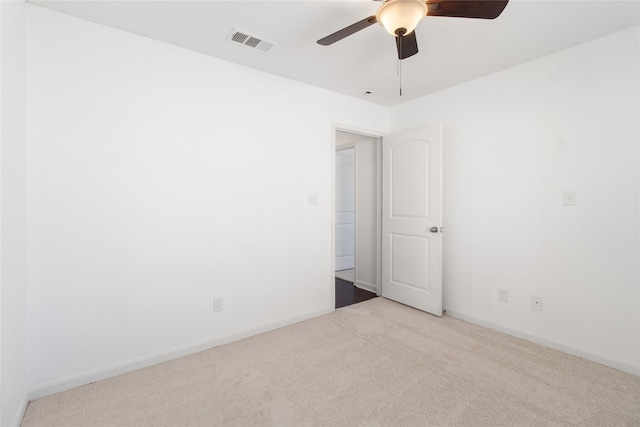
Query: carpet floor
x: 377, y: 363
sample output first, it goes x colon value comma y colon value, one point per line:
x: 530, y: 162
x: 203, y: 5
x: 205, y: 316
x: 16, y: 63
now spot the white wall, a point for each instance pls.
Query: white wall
x: 159, y: 178
x: 367, y: 213
x: 13, y: 295
x: 513, y: 142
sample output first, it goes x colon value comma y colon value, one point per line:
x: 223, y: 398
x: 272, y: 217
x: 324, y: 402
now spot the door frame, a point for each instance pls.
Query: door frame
x: 378, y: 136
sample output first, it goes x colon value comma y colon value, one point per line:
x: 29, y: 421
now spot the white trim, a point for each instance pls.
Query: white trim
x: 17, y: 419
x: 569, y: 349
x: 379, y: 217
x: 356, y: 209
x: 163, y: 356
x: 366, y: 286
x: 332, y: 231
x: 356, y: 131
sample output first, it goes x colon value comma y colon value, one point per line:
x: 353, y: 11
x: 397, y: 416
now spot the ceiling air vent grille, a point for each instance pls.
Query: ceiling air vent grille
x: 250, y: 41
x: 239, y: 37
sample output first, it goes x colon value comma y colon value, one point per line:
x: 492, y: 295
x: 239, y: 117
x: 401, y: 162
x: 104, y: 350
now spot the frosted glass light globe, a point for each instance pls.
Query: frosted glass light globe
x: 395, y: 15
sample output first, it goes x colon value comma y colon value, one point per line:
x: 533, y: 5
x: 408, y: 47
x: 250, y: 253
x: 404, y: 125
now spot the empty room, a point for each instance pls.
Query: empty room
x: 169, y: 208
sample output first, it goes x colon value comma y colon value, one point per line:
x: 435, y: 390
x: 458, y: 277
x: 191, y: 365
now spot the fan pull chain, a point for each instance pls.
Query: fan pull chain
x: 400, y: 73
x: 400, y: 62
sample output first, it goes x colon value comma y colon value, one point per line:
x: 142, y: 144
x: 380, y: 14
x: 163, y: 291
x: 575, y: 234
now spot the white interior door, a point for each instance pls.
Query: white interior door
x: 412, y: 218
x: 345, y: 209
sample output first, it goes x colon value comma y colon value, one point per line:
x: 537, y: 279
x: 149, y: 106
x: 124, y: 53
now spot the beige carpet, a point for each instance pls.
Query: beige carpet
x: 376, y: 363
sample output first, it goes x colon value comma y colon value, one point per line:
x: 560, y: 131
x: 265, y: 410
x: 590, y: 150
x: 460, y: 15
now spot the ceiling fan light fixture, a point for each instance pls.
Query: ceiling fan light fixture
x: 400, y: 17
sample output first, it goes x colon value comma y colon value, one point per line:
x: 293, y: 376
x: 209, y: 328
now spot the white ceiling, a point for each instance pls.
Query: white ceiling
x: 452, y: 50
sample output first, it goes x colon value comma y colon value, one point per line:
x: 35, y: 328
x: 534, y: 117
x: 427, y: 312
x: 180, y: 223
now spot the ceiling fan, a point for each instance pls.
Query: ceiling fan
x: 400, y: 18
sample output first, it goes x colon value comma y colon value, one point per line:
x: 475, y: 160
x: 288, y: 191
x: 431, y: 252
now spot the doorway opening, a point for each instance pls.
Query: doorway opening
x: 398, y: 214
x: 357, y: 217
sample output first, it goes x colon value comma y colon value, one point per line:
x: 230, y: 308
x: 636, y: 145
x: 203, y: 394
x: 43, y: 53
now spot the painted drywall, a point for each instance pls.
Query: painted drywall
x: 367, y: 213
x: 13, y: 293
x: 367, y: 208
x: 513, y: 143
x: 158, y: 179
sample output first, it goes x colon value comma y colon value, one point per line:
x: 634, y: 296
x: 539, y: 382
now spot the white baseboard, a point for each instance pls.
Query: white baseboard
x: 565, y: 348
x: 367, y: 286
x: 19, y: 415
x: 84, y: 378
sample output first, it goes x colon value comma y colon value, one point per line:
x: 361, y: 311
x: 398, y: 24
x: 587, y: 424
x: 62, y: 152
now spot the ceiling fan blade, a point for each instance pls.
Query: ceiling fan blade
x: 347, y: 31
x: 407, y: 45
x: 483, y: 9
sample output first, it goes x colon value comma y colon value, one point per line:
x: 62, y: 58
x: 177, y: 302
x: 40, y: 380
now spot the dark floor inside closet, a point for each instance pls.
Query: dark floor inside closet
x: 347, y: 294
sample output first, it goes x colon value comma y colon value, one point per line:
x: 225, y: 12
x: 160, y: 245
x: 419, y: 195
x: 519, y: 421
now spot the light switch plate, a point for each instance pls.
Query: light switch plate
x: 218, y: 304
x: 570, y: 198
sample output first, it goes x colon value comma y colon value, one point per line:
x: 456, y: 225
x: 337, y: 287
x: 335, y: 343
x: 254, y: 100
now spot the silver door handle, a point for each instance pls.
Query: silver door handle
x: 433, y: 229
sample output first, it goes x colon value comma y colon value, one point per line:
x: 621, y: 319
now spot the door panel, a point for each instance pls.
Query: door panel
x: 409, y: 180
x: 407, y: 261
x: 411, y: 207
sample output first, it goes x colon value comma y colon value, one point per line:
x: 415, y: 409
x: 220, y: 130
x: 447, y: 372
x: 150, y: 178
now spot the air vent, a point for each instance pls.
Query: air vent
x: 249, y: 40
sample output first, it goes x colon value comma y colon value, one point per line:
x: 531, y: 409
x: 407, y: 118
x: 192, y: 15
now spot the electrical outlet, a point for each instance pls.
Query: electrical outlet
x: 217, y: 304
x: 536, y: 303
x: 503, y: 295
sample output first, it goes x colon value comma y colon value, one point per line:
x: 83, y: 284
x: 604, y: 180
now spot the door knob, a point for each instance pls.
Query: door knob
x: 433, y: 229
